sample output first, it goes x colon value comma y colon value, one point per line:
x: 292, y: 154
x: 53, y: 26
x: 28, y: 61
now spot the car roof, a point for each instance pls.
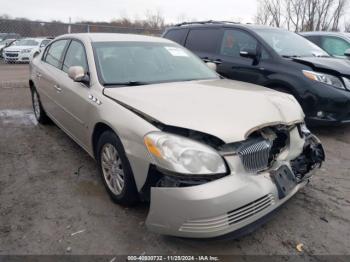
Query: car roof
x: 223, y: 24
x: 32, y: 38
x: 113, y: 37
x: 325, y: 33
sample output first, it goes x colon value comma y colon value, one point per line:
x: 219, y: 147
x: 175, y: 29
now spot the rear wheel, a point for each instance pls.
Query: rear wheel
x: 39, y: 111
x: 115, y: 170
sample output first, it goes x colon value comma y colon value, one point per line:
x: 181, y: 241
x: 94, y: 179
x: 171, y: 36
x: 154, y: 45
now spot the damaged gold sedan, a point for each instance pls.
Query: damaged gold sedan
x: 213, y: 156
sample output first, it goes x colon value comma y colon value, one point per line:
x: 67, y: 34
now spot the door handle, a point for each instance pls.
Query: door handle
x: 58, y: 89
x: 206, y: 59
x: 217, y: 61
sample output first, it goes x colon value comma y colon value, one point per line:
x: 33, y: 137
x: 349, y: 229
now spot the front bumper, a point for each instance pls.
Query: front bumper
x: 327, y: 106
x: 238, y: 200
x: 17, y: 57
x: 216, y: 208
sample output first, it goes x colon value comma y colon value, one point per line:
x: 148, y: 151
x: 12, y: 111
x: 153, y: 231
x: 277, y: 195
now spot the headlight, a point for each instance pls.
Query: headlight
x: 183, y: 155
x: 324, y: 78
x: 26, y: 50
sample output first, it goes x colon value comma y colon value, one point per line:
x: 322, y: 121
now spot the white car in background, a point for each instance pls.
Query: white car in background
x: 23, y: 50
x: 5, y: 43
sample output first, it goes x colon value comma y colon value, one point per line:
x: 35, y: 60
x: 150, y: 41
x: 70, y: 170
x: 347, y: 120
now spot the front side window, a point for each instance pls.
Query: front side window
x: 234, y: 41
x: 75, y: 57
x: 45, y: 42
x: 289, y: 44
x: 335, y: 45
x: 53, y: 55
x: 147, y: 62
x: 203, y: 40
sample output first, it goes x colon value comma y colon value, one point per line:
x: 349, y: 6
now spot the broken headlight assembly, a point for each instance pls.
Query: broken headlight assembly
x: 183, y: 156
x: 324, y: 78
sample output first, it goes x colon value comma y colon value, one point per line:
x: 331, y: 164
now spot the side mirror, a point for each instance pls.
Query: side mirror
x: 36, y: 53
x: 77, y: 74
x: 249, y: 53
x: 347, y: 53
x: 211, y: 65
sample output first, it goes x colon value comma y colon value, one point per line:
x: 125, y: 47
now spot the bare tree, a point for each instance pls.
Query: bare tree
x: 338, y: 13
x: 347, y: 26
x: 302, y: 15
x: 155, y: 19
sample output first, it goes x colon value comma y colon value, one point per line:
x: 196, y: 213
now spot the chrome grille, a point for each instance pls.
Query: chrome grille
x: 11, y: 54
x: 255, y: 155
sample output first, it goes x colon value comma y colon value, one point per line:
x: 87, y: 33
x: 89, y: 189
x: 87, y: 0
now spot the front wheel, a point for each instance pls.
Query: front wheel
x: 39, y: 112
x: 115, y: 170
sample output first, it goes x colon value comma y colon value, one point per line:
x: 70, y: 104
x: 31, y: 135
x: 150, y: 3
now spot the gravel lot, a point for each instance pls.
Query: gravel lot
x: 49, y: 189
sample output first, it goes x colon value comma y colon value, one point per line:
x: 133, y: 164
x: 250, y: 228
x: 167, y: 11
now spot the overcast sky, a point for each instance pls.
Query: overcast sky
x: 106, y: 10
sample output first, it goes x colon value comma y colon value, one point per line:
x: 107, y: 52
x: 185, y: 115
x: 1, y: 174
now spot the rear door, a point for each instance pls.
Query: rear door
x: 236, y: 67
x: 47, y: 78
x: 204, y: 42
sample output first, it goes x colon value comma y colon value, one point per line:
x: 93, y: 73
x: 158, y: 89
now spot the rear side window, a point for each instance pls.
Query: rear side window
x: 203, y: 40
x: 54, y: 53
x: 176, y: 35
x: 314, y: 38
x: 75, y: 56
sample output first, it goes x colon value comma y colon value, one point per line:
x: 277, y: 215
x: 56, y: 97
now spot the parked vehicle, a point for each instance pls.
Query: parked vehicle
x: 211, y: 155
x: 334, y: 43
x: 24, y: 49
x: 277, y: 59
x: 5, y: 43
x: 4, y: 36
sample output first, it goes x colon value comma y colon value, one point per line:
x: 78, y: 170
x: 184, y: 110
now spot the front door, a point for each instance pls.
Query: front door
x: 74, y: 97
x: 236, y: 67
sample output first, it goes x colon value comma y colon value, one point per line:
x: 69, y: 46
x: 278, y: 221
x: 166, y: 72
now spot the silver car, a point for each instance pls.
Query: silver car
x: 211, y: 155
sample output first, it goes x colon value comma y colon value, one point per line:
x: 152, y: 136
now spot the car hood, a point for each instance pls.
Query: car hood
x: 229, y: 110
x: 342, y: 66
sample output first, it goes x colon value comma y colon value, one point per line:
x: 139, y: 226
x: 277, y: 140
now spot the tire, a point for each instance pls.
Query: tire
x: 38, y: 109
x: 115, y: 170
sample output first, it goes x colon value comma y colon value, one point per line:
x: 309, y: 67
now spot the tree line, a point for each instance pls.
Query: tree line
x: 153, y: 23
x: 304, y: 15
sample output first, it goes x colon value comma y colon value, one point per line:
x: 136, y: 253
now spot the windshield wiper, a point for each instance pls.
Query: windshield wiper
x: 129, y: 83
x: 290, y: 56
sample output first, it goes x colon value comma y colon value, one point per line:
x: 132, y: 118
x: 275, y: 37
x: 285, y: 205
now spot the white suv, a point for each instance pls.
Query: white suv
x: 24, y: 49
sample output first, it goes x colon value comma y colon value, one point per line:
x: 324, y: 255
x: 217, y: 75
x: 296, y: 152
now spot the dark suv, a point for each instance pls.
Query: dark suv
x: 274, y: 58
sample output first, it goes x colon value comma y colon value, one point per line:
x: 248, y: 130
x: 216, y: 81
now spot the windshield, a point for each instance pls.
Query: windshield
x: 6, y: 41
x: 147, y: 62
x: 289, y: 44
x: 27, y: 42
